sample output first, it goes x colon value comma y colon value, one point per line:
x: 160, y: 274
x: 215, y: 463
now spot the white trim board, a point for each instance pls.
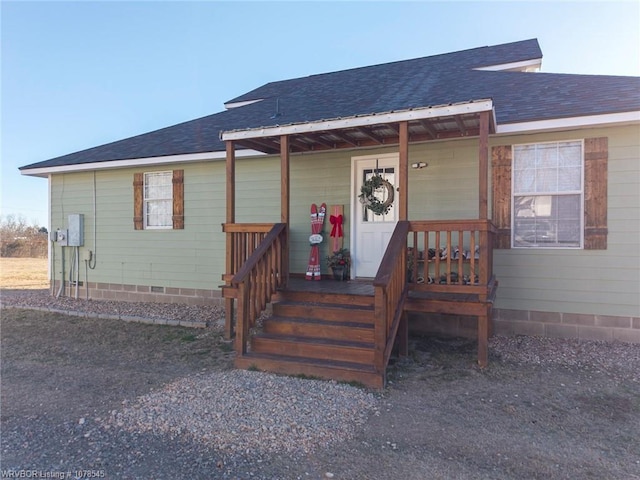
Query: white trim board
x: 525, y: 65
x: 139, y: 162
x: 588, y: 121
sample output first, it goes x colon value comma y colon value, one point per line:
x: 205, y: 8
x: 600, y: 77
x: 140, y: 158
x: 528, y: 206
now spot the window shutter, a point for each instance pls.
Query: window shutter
x: 178, y: 199
x: 596, y: 156
x: 138, y: 185
x: 501, y: 199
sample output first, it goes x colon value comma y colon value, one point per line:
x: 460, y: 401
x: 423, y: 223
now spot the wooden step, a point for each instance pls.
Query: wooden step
x: 292, y: 346
x: 310, y: 367
x: 324, y: 311
x: 321, y: 334
x: 310, y: 328
x: 326, y: 298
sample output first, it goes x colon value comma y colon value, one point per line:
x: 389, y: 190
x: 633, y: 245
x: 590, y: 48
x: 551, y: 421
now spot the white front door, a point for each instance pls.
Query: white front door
x: 371, y: 232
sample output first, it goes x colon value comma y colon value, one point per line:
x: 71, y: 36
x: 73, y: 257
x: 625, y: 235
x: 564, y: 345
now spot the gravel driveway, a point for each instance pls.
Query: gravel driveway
x: 95, y: 397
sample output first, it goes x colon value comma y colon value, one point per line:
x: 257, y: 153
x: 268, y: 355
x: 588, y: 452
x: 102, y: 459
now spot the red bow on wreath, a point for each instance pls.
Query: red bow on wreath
x: 336, y: 221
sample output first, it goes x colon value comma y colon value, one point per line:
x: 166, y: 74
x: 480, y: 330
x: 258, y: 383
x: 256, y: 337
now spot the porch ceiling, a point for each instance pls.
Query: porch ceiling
x: 434, y: 123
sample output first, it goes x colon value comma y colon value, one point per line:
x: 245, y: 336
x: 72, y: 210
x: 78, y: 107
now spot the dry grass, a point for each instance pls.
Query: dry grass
x: 28, y: 273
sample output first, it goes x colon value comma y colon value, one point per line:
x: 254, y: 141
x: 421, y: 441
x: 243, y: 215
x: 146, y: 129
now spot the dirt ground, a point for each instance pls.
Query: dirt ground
x: 440, y: 418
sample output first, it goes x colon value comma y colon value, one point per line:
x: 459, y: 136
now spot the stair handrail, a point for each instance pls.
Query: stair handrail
x: 390, y: 287
x: 257, y: 281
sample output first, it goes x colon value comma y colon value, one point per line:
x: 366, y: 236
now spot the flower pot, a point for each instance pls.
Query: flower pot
x: 338, y: 273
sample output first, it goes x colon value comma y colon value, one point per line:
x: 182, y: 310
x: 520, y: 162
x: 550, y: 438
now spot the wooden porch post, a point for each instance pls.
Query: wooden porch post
x: 231, y: 218
x: 483, y: 198
x: 231, y: 182
x: 285, y: 200
x: 483, y: 166
x: 403, y: 207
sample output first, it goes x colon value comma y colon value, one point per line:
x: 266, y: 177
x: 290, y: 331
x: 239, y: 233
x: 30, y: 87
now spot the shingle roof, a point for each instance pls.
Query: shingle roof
x: 386, y: 74
x: 435, y: 80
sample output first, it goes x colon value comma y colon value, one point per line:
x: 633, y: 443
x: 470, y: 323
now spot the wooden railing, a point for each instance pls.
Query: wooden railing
x: 390, y: 287
x: 259, y: 277
x: 448, y: 256
x: 453, y: 256
x: 242, y: 240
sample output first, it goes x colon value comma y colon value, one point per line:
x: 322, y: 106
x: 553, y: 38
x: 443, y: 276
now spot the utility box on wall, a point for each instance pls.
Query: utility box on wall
x: 76, y: 230
x: 61, y: 237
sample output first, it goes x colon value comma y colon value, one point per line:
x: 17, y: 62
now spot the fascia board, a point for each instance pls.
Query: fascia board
x: 231, y: 105
x: 535, y: 63
x: 138, y: 162
x: 586, y: 121
x: 361, y: 121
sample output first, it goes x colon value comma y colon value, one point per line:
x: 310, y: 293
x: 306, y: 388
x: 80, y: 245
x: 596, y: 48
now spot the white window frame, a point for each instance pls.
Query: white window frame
x: 146, y: 200
x: 533, y: 194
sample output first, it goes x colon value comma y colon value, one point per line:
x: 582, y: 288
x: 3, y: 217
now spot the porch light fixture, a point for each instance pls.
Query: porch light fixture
x: 419, y: 165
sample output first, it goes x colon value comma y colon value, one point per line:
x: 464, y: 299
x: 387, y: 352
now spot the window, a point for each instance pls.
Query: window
x: 558, y: 198
x: 548, y: 195
x: 158, y: 200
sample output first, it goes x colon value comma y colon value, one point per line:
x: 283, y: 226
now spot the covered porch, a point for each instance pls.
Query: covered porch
x: 347, y: 330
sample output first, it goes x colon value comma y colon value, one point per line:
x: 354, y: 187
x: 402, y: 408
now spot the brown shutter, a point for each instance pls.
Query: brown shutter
x: 596, y: 155
x: 501, y: 199
x: 138, y: 185
x: 178, y: 199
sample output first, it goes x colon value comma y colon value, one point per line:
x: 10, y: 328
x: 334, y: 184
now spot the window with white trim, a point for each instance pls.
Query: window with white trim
x: 548, y: 194
x: 158, y: 200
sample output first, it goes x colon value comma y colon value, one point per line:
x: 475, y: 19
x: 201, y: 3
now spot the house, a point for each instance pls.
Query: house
x: 513, y: 205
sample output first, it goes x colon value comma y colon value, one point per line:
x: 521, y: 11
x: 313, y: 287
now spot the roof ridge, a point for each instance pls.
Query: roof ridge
x: 407, y: 60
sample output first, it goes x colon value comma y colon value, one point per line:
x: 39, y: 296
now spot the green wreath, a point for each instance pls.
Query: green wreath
x: 368, y: 199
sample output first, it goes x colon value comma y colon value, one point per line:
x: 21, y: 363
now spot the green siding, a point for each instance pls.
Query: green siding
x: 448, y: 187
x: 604, y: 282
x: 316, y: 179
x: 189, y: 258
x: 257, y: 190
x: 572, y: 281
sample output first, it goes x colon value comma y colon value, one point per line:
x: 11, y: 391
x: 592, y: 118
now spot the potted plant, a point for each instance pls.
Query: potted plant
x: 339, y: 262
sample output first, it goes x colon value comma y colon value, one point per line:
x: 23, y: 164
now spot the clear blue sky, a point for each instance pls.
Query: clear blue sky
x: 80, y: 74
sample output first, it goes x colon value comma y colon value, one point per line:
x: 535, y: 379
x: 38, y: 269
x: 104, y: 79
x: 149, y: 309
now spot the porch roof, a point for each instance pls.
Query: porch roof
x: 377, y: 129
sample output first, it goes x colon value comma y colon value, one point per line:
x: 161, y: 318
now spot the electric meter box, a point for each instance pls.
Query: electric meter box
x: 76, y: 230
x: 62, y: 237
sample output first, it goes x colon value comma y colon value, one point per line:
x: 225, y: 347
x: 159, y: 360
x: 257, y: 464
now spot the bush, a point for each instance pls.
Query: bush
x: 19, y: 239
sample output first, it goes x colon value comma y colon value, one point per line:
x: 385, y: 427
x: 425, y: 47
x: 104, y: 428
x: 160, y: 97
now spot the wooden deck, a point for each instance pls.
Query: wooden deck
x: 364, y: 287
x: 327, y: 286
x: 348, y: 330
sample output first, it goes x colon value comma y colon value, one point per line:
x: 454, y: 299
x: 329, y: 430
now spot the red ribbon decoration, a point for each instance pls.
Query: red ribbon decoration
x: 336, y: 221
